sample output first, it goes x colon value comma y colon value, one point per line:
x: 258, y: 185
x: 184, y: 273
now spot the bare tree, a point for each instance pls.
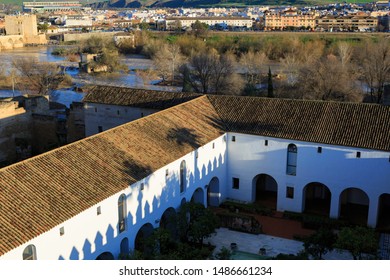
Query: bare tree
x: 213, y: 73
x: 345, y: 52
x: 291, y: 66
x: 37, y: 77
x: 302, y: 55
x: 251, y: 63
x: 375, y: 67
x: 328, y: 80
x: 225, y: 79
x: 168, y: 60
x: 201, y: 71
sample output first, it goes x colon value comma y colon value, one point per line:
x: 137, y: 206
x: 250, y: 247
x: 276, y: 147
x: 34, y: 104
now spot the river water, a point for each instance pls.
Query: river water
x: 67, y: 95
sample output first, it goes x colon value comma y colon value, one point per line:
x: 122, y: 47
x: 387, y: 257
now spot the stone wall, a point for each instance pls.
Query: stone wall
x: 27, y: 127
x: 15, y: 131
x: 84, y: 36
x: 76, y: 122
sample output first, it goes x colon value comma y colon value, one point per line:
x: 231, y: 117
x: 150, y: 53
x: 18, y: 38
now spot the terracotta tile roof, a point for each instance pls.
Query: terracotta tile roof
x: 141, y: 98
x: 45, y: 191
x: 42, y: 192
x: 336, y: 123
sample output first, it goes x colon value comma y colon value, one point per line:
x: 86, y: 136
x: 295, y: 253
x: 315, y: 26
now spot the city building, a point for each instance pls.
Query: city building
x: 223, y: 22
x: 25, y: 25
x: 108, y: 107
x: 21, y: 30
x: 289, y: 19
x: 77, y: 21
x: 51, y: 6
x: 94, y: 198
x: 347, y: 23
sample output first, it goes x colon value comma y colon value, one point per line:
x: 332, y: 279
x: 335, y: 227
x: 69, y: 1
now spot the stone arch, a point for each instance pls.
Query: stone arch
x: 198, y: 196
x: 105, y: 256
x: 10, y: 43
x: 18, y: 43
x: 316, y: 199
x: 168, y: 221
x: 143, y: 233
x: 383, y: 219
x: 124, y: 247
x: 213, y: 193
x: 265, y: 190
x: 354, y: 204
x: 183, y: 201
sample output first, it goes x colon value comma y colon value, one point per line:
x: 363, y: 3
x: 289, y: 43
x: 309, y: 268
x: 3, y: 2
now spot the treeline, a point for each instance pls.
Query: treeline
x: 309, y: 66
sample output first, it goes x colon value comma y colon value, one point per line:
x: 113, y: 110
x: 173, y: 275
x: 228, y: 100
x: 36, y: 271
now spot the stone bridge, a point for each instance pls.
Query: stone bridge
x: 11, y: 41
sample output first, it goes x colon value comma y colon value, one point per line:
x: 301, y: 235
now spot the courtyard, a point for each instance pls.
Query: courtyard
x: 273, y: 245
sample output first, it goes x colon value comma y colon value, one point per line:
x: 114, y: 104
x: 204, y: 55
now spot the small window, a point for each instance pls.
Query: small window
x: 183, y: 175
x: 95, y: 110
x: 100, y: 128
x: 122, y: 212
x: 213, y: 145
x: 290, y: 192
x: 166, y: 172
x: 30, y: 253
x: 358, y: 154
x: 233, y: 138
x: 292, y: 152
x: 196, y: 154
x: 266, y: 143
x: 142, y: 186
x: 319, y: 150
x: 142, y: 115
x: 236, y: 183
x: 98, y: 210
x: 118, y: 112
x: 62, y: 231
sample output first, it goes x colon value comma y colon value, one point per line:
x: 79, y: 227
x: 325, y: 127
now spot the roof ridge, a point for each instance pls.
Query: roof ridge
x: 95, y: 136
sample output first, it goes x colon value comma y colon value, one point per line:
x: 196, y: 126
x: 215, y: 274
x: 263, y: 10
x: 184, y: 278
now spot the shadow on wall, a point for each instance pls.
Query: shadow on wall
x: 148, y: 210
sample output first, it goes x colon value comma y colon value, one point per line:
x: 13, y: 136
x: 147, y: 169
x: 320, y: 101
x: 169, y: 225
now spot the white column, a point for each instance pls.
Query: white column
x: 335, y: 205
x: 372, y: 211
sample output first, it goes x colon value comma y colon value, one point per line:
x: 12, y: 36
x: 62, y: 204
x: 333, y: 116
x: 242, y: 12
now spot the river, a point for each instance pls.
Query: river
x: 67, y: 95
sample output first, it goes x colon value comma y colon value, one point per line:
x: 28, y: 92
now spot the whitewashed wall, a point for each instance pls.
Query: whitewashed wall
x: 87, y: 235
x: 336, y: 167
x: 109, y: 116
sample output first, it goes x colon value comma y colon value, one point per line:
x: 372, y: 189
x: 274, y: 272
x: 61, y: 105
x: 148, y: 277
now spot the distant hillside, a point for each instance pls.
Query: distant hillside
x: 207, y: 3
x: 20, y: 2
x: 120, y: 4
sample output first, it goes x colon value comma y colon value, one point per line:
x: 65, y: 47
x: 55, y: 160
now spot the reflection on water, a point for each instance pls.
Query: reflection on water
x: 41, y: 54
x: 66, y: 96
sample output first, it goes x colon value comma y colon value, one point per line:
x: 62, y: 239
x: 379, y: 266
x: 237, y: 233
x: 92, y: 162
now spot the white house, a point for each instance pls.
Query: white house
x: 92, y: 198
x: 106, y: 107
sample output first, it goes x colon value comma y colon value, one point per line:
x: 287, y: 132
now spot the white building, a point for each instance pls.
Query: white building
x: 187, y: 22
x: 77, y: 20
x: 93, y: 197
x: 106, y: 107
